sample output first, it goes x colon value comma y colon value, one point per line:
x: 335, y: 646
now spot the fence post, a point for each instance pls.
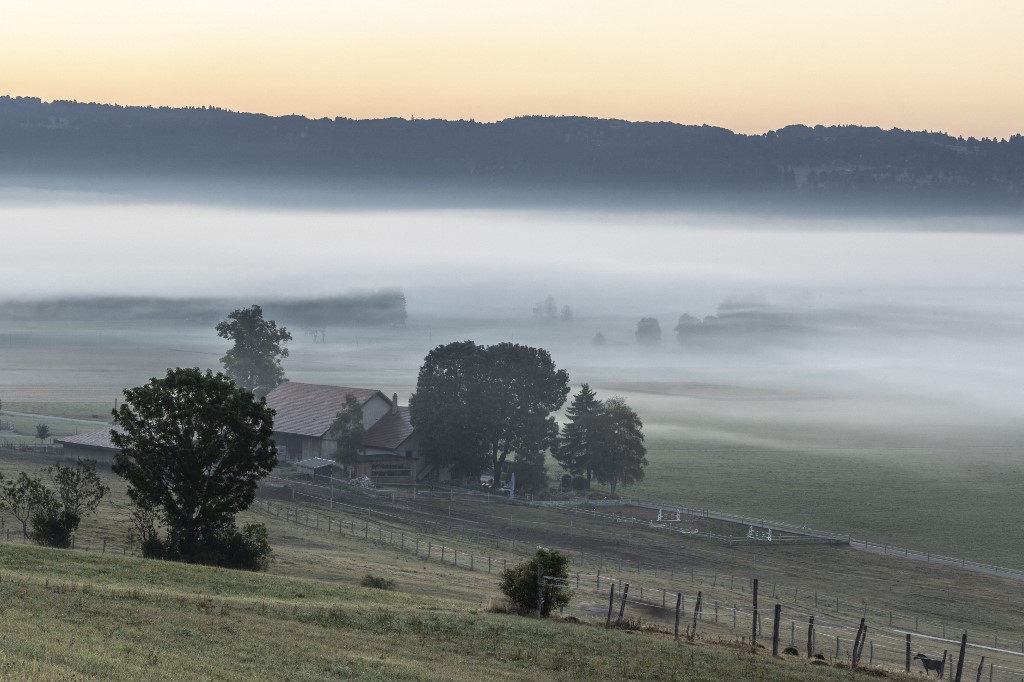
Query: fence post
x: 622, y: 604
x: 855, y: 654
x: 679, y: 604
x: 611, y: 605
x: 696, y: 612
x: 810, y: 636
x: 540, y: 585
x: 775, y: 630
x: 960, y: 660
x: 753, y: 633
x: 907, y: 666
x: 104, y: 547
x: 488, y: 564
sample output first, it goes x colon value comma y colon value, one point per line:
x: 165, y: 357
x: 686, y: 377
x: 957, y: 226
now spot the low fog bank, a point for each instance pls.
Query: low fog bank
x: 367, y: 308
x: 860, y: 324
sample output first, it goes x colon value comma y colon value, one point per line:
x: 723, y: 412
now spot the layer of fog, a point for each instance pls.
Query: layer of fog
x: 865, y: 327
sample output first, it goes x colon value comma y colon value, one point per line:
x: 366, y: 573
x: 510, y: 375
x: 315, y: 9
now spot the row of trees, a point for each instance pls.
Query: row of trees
x: 475, y: 406
x: 51, y: 509
x: 602, y: 440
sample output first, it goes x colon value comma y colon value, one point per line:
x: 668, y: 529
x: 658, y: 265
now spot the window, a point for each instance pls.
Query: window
x: 390, y: 470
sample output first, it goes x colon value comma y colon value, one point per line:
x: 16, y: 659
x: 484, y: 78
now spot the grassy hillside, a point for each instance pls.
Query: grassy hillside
x: 73, y: 615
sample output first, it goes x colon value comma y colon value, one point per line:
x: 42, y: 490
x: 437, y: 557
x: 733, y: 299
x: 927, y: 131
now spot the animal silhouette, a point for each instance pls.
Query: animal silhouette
x: 931, y: 664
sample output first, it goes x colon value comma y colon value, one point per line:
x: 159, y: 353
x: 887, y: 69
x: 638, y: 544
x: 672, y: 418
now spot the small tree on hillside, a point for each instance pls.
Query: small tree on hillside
x: 254, y: 361
x: 347, y: 432
x: 42, y: 432
x: 519, y: 583
x: 21, y: 496
x: 74, y: 493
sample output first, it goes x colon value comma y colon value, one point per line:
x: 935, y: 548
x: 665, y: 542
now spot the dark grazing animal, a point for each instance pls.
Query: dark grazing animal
x: 931, y: 664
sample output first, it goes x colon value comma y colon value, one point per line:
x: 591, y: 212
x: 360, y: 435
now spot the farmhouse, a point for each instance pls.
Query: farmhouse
x: 304, y: 415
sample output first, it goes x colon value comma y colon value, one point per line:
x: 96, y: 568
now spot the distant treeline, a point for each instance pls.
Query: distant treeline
x: 382, y: 307
x: 527, y: 160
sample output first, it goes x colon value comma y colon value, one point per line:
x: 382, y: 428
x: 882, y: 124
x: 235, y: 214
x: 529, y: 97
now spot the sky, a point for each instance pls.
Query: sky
x: 747, y: 65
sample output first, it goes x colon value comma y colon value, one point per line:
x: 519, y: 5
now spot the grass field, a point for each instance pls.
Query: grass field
x: 71, y: 615
x: 926, y: 598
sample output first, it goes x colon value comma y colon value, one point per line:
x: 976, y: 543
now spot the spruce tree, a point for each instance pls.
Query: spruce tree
x: 577, y: 444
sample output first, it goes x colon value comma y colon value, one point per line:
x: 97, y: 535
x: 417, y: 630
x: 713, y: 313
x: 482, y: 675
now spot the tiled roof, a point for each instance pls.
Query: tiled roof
x: 390, y: 432
x: 310, y: 409
x: 91, y: 439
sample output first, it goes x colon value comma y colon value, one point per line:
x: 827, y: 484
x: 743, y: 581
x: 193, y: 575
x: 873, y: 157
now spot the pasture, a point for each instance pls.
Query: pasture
x: 93, y: 612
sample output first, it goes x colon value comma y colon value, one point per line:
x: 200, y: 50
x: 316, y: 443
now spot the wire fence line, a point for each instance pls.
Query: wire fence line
x: 811, y: 599
x: 783, y: 531
x: 834, y: 632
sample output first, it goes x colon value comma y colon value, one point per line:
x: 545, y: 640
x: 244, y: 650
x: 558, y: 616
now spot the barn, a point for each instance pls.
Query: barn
x: 306, y: 412
x: 94, y: 445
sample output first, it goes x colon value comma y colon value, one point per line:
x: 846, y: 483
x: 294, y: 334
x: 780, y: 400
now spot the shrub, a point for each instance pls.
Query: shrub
x: 580, y: 483
x: 566, y: 481
x: 519, y: 583
x: 377, y: 582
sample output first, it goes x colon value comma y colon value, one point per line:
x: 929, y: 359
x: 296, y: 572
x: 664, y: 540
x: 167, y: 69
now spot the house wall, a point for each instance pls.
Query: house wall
x: 375, y: 408
x: 300, y: 447
x: 76, y: 452
x: 387, y: 468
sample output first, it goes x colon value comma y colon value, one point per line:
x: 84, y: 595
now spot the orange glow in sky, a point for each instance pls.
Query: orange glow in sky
x: 747, y: 65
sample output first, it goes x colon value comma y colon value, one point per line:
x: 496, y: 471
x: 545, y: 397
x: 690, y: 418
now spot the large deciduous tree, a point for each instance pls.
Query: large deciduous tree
x: 648, y: 331
x: 621, y: 455
x: 475, y: 405
x: 254, y: 361
x: 193, y: 447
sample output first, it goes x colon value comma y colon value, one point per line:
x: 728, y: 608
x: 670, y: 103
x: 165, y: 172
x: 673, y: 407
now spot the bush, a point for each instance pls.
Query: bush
x: 519, y: 583
x: 377, y: 582
x: 580, y: 483
x: 566, y: 481
x: 52, y: 527
x: 228, y: 547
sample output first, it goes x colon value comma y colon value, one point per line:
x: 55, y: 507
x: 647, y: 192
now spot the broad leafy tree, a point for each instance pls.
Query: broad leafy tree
x: 648, y: 331
x: 42, y: 432
x: 578, y: 443
x: 193, y: 448
x: 475, y: 405
x: 621, y: 455
x: 254, y: 361
x: 21, y: 496
x: 347, y: 432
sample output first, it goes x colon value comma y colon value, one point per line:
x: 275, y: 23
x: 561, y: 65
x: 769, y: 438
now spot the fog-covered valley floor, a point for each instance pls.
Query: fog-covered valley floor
x: 859, y: 377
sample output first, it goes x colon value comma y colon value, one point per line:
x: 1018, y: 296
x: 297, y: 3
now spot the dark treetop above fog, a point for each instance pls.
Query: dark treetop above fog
x: 527, y: 161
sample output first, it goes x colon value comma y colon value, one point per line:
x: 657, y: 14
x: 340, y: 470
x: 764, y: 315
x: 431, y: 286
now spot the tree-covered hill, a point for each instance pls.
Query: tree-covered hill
x: 527, y: 160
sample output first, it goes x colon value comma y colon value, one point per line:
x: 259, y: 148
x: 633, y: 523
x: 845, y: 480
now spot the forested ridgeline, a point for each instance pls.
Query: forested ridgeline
x: 530, y: 159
